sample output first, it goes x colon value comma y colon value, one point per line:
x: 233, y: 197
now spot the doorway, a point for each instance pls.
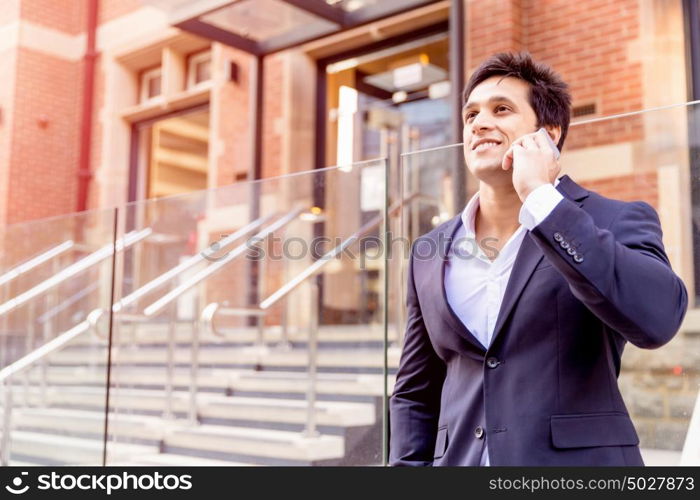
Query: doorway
x: 396, y: 98
x: 381, y: 104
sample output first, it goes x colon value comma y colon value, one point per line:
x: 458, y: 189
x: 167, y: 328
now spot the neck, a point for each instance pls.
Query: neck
x: 499, y: 207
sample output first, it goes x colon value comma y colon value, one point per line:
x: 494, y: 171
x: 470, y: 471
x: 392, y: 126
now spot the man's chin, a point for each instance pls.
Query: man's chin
x: 485, y: 167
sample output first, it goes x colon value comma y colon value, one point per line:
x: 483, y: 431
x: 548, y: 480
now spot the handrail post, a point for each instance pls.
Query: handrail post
x: 284, y: 323
x: 284, y: 342
x: 52, y: 300
x: 29, y: 347
x: 6, y: 421
x: 5, y: 331
x: 194, y: 361
x: 168, y: 414
x: 310, y: 430
x: 44, y: 369
x: 262, y: 272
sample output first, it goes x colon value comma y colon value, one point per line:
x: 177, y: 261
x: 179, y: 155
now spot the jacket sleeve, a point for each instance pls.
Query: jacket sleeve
x: 414, y: 407
x: 622, y: 274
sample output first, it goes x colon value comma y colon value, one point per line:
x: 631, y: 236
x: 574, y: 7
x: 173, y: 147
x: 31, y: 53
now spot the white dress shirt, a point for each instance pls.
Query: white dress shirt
x: 474, y: 284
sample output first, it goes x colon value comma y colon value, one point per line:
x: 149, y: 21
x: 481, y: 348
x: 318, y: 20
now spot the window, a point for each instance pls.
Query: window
x: 198, y: 68
x: 150, y: 85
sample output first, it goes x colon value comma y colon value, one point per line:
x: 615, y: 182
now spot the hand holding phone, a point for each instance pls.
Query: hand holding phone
x: 551, y: 142
x: 534, y: 160
x: 508, y: 157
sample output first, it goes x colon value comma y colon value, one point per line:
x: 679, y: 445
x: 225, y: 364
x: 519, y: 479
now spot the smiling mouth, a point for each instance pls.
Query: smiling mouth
x: 486, y: 146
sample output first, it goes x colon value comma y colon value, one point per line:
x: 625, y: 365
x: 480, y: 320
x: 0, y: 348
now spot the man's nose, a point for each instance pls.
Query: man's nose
x: 481, y: 122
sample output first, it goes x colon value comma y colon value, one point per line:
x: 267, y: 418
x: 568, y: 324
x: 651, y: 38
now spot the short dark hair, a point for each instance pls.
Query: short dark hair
x: 549, y: 94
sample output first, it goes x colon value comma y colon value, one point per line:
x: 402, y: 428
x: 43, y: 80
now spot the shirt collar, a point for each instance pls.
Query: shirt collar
x: 469, y: 213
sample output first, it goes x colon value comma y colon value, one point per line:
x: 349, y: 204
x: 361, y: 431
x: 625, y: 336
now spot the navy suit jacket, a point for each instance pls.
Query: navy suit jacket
x: 589, y: 278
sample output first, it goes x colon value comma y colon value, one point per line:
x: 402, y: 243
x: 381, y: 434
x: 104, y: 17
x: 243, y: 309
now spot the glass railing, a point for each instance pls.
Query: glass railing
x: 55, y: 277
x: 261, y: 323
x: 650, y: 156
x: 248, y: 329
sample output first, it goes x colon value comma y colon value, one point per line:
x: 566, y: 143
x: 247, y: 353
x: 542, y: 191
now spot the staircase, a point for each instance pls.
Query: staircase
x: 251, y: 402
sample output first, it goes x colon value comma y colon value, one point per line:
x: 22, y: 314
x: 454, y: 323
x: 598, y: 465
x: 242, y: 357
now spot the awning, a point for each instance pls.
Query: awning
x: 262, y: 27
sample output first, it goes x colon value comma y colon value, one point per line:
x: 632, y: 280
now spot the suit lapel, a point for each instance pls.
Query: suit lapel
x: 528, y: 257
x: 437, y: 268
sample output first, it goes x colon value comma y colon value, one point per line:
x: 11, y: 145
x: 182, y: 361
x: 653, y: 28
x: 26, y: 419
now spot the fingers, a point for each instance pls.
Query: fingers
x: 534, y: 140
x: 510, y: 155
x: 528, y: 142
x: 543, y: 141
x: 507, y: 159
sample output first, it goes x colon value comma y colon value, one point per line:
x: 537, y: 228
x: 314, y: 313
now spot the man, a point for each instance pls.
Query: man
x: 526, y: 374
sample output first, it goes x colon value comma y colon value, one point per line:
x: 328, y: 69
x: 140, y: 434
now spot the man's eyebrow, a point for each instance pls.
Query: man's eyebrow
x: 495, y: 98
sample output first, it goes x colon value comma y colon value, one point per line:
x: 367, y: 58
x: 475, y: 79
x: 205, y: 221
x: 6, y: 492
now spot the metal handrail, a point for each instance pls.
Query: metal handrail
x: 185, y: 265
x: 316, y: 266
x: 49, y: 347
x: 76, y: 268
x: 158, y: 281
x: 91, y: 322
x: 61, y: 340
x: 288, y: 287
x: 169, y: 297
x: 25, y: 362
x: 36, y: 262
x: 210, y: 311
x: 66, y: 303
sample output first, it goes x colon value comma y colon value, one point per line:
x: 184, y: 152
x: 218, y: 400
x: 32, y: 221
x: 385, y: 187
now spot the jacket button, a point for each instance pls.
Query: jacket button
x: 564, y: 244
x: 571, y: 251
x: 578, y: 258
x: 492, y: 362
x: 479, y: 432
x: 558, y: 237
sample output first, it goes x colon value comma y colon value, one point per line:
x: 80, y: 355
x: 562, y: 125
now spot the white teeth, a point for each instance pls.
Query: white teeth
x: 485, y: 145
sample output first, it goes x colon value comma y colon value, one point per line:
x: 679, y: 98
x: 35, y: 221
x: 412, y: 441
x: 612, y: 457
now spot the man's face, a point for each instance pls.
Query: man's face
x: 497, y: 113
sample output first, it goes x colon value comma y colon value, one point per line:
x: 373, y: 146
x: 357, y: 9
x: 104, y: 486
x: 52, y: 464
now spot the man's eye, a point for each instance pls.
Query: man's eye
x: 501, y: 107
x: 469, y: 115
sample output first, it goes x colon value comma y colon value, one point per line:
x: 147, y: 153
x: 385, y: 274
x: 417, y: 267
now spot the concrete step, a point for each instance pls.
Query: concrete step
x: 280, y: 411
x: 262, y: 446
x: 245, y: 381
x: 158, y: 333
x: 175, y: 460
x: 328, y: 413
x: 296, y: 383
x: 41, y: 448
x: 39, y: 432
x: 228, y: 356
x: 85, y: 423
x: 20, y: 463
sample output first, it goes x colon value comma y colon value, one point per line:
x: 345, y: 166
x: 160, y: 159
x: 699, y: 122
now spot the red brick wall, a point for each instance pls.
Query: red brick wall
x: 493, y: 26
x: 585, y: 42
x: 63, y: 15
x: 231, y: 102
x: 272, y: 140
x: 638, y: 186
x: 43, y: 165
x: 7, y: 77
x: 93, y: 199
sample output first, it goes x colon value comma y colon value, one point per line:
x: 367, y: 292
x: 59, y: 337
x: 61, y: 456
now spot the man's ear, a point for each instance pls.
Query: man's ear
x: 554, y: 132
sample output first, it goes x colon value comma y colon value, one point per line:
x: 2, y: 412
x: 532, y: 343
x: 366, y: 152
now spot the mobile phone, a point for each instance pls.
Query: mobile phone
x: 551, y: 143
